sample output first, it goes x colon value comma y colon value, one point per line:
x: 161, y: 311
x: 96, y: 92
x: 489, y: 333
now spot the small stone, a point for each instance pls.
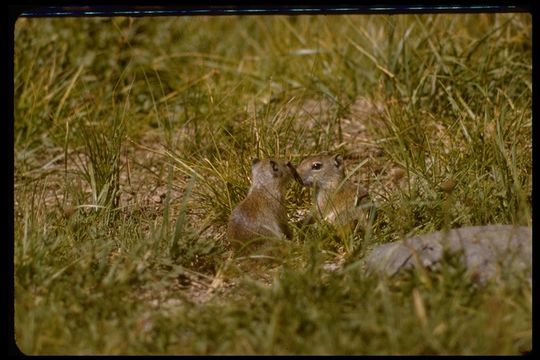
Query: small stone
x: 69, y: 210
x: 397, y: 173
x: 448, y: 185
x: 490, y: 130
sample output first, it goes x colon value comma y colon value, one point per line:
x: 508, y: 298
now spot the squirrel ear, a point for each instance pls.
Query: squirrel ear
x: 254, y: 161
x: 338, y: 160
x: 274, y: 165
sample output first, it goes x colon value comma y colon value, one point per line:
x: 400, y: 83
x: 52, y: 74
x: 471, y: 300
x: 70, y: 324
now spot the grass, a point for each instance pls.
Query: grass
x: 134, y: 139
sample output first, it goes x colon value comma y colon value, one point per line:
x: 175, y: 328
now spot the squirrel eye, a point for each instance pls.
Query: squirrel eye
x: 316, y: 166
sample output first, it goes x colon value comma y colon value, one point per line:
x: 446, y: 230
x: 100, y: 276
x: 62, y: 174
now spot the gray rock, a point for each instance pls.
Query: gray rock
x: 486, y: 251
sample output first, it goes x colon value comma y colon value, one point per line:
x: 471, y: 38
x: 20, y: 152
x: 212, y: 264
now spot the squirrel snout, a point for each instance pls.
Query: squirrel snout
x: 294, y: 173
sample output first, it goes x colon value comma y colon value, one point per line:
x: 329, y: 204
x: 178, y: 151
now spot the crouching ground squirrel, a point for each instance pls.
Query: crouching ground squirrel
x: 262, y: 214
x: 337, y: 200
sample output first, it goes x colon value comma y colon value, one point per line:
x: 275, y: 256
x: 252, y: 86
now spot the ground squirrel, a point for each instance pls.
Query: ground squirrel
x: 336, y: 200
x: 263, y: 213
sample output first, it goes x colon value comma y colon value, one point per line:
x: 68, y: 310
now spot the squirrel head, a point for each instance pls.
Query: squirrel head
x: 324, y: 171
x: 272, y: 173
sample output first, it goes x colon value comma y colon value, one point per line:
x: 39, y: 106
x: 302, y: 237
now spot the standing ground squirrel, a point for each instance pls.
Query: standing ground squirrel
x: 337, y: 200
x: 263, y: 213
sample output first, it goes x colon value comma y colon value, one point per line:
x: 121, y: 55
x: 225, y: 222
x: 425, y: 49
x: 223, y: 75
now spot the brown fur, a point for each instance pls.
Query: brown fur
x: 262, y: 214
x: 335, y: 200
